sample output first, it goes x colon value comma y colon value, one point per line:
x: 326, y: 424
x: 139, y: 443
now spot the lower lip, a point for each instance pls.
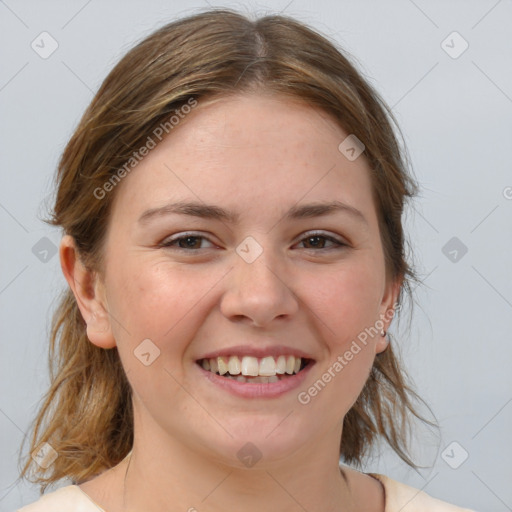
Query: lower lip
x: 258, y: 390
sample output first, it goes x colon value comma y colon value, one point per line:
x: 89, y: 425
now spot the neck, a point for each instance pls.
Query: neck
x: 169, y: 476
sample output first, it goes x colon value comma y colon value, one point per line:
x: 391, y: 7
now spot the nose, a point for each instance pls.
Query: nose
x: 258, y: 293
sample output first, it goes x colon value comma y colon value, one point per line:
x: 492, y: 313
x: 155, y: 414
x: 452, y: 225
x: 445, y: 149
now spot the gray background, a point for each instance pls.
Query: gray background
x: 456, y: 114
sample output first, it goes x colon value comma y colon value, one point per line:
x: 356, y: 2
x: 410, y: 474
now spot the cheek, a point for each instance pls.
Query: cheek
x: 346, y: 301
x: 158, y: 302
x: 345, y: 304
x: 165, y: 305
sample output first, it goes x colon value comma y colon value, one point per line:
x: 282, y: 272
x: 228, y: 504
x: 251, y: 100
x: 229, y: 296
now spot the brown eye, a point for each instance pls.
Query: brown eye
x: 189, y: 242
x: 186, y: 242
x: 320, y: 241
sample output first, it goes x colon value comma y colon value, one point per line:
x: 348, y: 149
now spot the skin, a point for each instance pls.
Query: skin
x: 257, y: 155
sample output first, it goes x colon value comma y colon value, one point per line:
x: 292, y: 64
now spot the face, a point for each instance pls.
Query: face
x: 278, y: 258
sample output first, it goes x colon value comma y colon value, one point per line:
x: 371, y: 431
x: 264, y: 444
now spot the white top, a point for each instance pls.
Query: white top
x: 399, y: 498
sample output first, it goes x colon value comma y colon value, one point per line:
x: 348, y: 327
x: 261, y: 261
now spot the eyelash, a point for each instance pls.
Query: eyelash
x: 170, y: 243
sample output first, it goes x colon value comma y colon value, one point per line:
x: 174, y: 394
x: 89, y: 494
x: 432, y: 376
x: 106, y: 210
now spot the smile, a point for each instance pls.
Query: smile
x: 245, y: 369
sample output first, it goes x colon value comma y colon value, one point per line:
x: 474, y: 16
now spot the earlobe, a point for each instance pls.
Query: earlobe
x: 88, y: 292
x: 388, y: 306
x: 382, y: 343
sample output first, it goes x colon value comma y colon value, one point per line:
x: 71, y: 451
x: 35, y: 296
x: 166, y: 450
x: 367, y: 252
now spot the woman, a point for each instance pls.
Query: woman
x: 231, y: 203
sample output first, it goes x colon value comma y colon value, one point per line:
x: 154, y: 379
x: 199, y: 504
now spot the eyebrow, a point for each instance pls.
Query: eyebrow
x: 206, y: 211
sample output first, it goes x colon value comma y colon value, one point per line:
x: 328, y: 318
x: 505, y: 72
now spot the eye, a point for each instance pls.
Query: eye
x: 188, y: 241
x: 319, y: 240
x: 194, y: 241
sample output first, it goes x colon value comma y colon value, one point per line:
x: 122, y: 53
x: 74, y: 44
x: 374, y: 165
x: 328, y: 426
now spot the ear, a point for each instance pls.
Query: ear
x: 387, y: 311
x: 89, y: 294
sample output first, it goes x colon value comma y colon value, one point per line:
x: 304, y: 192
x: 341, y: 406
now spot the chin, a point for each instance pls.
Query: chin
x: 257, y: 442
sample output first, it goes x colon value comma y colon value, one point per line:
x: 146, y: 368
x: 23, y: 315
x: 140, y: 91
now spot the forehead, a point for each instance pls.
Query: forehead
x: 255, y: 152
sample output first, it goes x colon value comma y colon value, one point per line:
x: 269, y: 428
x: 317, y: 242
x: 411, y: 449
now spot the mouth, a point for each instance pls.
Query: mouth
x: 253, y: 370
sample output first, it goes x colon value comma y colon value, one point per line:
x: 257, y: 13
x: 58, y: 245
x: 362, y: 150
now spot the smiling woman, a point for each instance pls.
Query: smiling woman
x: 229, y: 298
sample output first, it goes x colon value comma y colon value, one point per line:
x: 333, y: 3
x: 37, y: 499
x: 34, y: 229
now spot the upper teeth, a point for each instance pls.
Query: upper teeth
x: 252, y: 366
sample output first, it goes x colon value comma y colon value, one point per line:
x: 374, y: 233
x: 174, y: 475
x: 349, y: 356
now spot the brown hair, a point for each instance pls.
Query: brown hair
x: 87, y: 413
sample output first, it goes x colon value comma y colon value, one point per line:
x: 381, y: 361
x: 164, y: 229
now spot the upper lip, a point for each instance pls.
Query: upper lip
x: 256, y: 351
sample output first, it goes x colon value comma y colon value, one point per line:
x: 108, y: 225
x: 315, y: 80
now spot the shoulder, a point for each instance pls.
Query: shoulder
x: 66, y: 499
x: 403, y: 498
